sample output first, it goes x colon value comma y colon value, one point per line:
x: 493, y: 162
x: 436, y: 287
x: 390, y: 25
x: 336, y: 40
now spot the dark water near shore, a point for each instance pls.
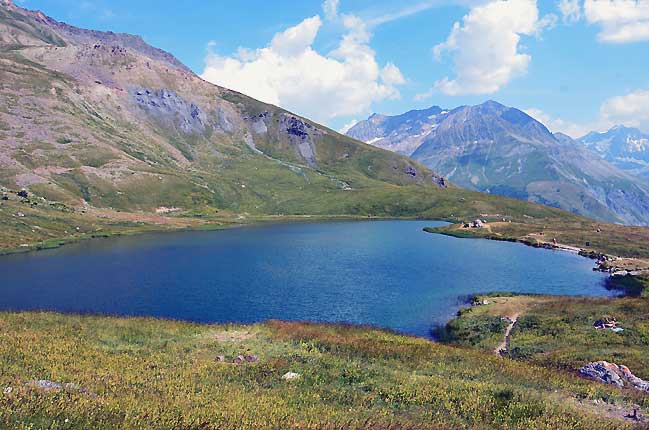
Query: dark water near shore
x: 385, y: 273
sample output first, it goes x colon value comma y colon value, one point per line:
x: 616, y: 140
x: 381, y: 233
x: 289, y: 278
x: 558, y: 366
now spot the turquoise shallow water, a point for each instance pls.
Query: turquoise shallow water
x: 384, y: 273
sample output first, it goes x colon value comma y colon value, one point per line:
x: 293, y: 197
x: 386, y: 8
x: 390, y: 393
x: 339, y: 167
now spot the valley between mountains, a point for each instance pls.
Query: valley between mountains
x: 102, y: 134
x: 106, y: 134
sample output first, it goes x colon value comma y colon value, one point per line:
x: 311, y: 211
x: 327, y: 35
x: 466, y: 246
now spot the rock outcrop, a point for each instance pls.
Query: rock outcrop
x: 301, y: 135
x: 170, y: 109
x: 613, y: 374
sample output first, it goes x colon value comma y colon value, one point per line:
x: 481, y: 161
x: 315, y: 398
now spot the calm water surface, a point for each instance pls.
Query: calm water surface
x: 385, y: 273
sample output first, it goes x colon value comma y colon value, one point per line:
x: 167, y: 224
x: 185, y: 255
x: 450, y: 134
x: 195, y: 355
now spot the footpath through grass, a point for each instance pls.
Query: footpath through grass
x: 145, y: 373
x: 558, y: 333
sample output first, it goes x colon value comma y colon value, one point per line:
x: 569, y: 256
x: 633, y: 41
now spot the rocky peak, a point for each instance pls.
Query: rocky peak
x: 79, y: 36
x: 622, y: 127
x: 492, y: 105
x: 562, y: 137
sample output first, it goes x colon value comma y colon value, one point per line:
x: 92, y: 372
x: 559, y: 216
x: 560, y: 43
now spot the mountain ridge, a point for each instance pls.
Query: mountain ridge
x: 494, y: 148
x: 102, y: 119
x: 625, y: 147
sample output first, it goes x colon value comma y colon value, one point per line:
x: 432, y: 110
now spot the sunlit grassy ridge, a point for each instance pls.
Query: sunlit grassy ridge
x: 613, y: 239
x: 45, y: 222
x: 144, y: 373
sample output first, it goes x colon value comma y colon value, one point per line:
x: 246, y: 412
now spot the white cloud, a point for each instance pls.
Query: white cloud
x: 413, y: 8
x: 330, y: 8
x: 425, y: 95
x: 486, y: 46
x: 295, y: 40
x: 555, y: 124
x: 289, y: 72
x: 570, y: 10
x: 548, y: 22
x: 391, y: 75
x: 406, y: 11
x: 631, y: 109
x: 345, y: 128
x: 621, y: 21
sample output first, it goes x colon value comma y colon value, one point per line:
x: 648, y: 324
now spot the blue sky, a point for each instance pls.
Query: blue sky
x: 574, y: 64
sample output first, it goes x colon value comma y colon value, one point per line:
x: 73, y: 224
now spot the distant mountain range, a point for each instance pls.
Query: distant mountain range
x: 627, y: 148
x: 502, y: 150
x: 100, y: 120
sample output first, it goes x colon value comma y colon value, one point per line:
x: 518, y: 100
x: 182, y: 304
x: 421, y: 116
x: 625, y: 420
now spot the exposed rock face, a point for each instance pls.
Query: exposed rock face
x: 258, y: 125
x: 611, y: 373
x: 171, y: 109
x: 501, y: 150
x: 302, y: 135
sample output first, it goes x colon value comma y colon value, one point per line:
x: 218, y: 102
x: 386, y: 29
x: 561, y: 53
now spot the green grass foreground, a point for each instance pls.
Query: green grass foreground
x: 145, y: 373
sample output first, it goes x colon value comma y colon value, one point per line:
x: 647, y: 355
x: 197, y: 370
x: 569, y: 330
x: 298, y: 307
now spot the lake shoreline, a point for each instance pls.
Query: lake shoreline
x: 217, y: 224
x: 382, y: 269
x: 603, y: 260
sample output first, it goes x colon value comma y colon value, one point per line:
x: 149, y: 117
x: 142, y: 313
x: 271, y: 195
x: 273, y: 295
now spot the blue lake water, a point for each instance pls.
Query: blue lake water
x: 384, y: 273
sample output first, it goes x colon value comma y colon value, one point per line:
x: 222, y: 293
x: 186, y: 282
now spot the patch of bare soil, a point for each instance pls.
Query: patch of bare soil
x: 233, y: 335
x: 505, y: 343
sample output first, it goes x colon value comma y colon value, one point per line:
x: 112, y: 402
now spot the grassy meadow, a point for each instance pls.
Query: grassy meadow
x: 145, y: 373
x: 589, y: 235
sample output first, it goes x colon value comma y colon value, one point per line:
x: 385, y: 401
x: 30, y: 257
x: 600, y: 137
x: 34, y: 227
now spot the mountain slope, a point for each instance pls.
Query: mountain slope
x: 626, y: 148
x: 96, y: 119
x: 501, y: 150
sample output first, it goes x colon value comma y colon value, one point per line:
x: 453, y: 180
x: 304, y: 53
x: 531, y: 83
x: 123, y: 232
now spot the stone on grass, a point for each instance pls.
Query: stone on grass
x: 611, y: 373
x: 290, y: 376
x: 46, y: 385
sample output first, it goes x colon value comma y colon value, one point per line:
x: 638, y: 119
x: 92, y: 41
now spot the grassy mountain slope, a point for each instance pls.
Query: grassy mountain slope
x: 95, y: 119
x: 558, y: 331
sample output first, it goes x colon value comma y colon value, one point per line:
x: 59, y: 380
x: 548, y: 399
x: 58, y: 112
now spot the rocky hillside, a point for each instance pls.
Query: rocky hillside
x: 626, y: 148
x: 98, y: 119
x: 501, y: 150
